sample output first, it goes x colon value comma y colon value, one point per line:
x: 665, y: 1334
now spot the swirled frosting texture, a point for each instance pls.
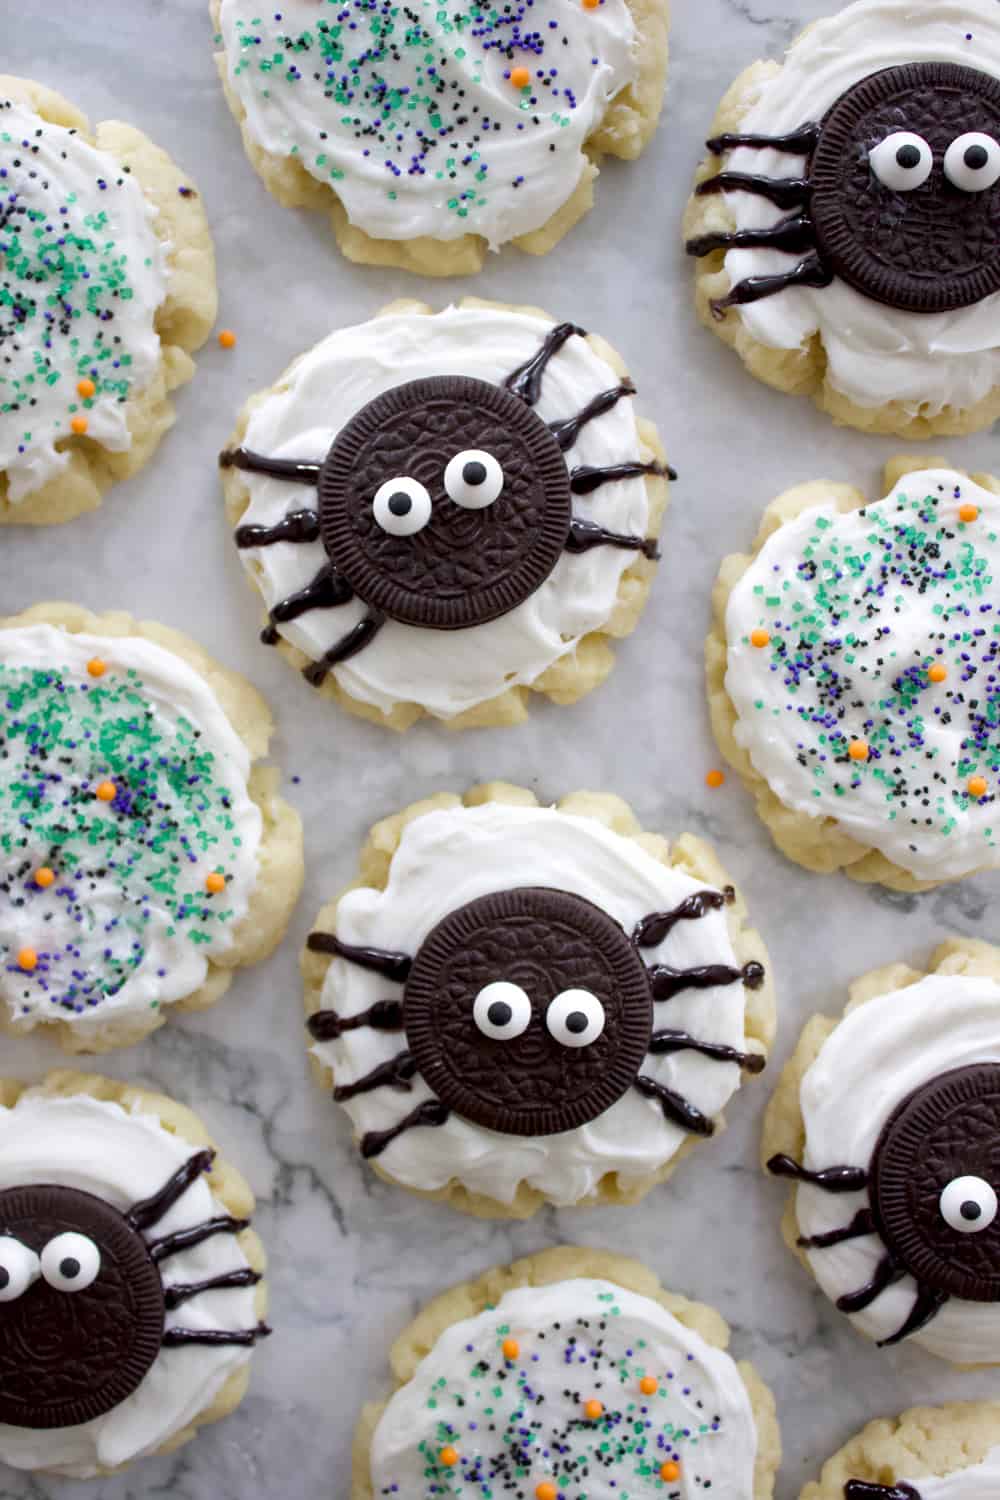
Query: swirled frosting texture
x: 450, y: 857
x: 126, y: 923
x: 427, y: 121
x: 125, y: 1157
x: 516, y: 1422
x: 446, y: 672
x: 82, y: 275
x: 876, y: 354
x: 878, y: 1054
x: 860, y: 613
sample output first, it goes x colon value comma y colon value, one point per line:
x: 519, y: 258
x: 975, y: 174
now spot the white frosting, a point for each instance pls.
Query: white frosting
x: 123, y: 1158
x: 446, y: 671
x: 875, y: 1058
x: 449, y: 857
x: 578, y: 1340
x: 111, y: 914
x: 977, y: 1482
x: 459, y: 149
x: 876, y: 354
x: 69, y: 243
x: 910, y: 799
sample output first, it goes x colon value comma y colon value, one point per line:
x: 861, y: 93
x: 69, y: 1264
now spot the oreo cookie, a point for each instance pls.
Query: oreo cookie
x: 528, y: 1012
x: 81, y: 1307
x: 445, y: 503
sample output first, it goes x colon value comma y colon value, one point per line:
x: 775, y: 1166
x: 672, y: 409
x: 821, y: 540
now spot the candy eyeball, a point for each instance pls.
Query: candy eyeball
x: 71, y: 1263
x: 972, y: 162
x: 903, y: 161
x: 18, y: 1268
x: 575, y: 1018
x: 402, y: 507
x: 502, y: 1011
x: 968, y: 1204
x: 473, y: 479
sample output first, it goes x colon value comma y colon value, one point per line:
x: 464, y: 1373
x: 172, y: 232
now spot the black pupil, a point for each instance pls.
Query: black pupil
x: 400, y: 503
x: 4, y: 1278
x: 908, y: 156
x: 971, y: 1210
x: 976, y: 157
x: 474, y: 472
x: 576, y: 1022
x: 500, y: 1013
x: 69, y: 1268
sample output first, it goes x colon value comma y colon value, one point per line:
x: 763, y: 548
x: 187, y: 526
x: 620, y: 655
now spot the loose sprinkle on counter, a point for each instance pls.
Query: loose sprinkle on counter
x: 227, y: 339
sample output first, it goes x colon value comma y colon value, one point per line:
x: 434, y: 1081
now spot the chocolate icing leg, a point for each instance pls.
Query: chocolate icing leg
x: 783, y: 192
x: 397, y: 1073
x: 384, y: 1015
x: 667, y: 982
x: 349, y: 645
x: 186, y: 1239
x: 860, y: 1225
x: 926, y: 1305
x: 810, y: 272
x: 150, y: 1211
x: 667, y: 1042
x: 887, y: 1272
x: 794, y: 235
x: 278, y: 468
x: 652, y: 930
x: 568, y: 430
x: 583, y: 535
x: 799, y: 142
x: 430, y: 1112
x: 174, y: 1338
x: 830, y: 1179
x: 586, y: 479
x: 678, y: 1110
x: 526, y: 380
x: 174, y: 1296
x: 394, y: 966
x: 860, y: 1489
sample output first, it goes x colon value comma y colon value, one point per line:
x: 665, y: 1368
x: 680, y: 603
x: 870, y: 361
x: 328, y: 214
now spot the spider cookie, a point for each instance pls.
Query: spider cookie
x: 888, y: 1121
x: 431, y: 136
x: 847, y: 218
x: 570, y: 1368
x: 445, y: 511
x: 931, y: 1453
x: 852, y: 675
x: 143, y: 853
x: 108, y: 288
x: 523, y: 1004
x: 131, y: 1292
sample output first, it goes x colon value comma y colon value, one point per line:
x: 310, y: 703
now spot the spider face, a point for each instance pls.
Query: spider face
x: 933, y: 1183
x: 528, y: 1011
x: 906, y: 186
x: 81, y: 1307
x: 445, y: 502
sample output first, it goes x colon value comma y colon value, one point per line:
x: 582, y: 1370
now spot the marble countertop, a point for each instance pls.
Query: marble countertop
x: 351, y: 1258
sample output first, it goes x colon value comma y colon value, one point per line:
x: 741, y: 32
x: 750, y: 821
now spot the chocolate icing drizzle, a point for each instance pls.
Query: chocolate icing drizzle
x: 175, y: 1296
x: 151, y: 1210
x: 297, y: 526
x: 527, y: 908
x: 860, y: 1489
x: 799, y: 142
x: 584, y: 535
x: 175, y: 1338
x: 526, y: 380
x: 887, y: 1273
x: 783, y: 192
x: 186, y: 1239
x: 568, y: 430
x: 861, y: 1225
x: 830, y: 1179
x: 585, y: 479
x: 296, y: 471
x: 808, y: 272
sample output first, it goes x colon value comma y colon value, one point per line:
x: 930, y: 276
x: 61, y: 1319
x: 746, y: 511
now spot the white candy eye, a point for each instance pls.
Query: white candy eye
x: 402, y: 506
x: 575, y: 1018
x: 969, y: 1205
x: 18, y: 1268
x: 502, y: 1011
x: 473, y: 479
x: 972, y: 163
x: 71, y: 1263
x: 903, y: 161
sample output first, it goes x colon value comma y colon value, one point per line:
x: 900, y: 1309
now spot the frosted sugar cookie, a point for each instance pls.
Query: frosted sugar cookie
x: 430, y: 136
x: 143, y: 853
x: 444, y: 512
x: 491, y: 1000
x: 131, y: 1290
x: 888, y: 1121
x: 847, y: 217
x: 852, y: 675
x: 570, y: 1367
x: 930, y: 1453
x: 108, y: 288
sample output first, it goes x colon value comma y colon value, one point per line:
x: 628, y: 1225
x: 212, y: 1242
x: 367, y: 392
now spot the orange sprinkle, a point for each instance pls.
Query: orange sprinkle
x: 715, y: 778
x: 510, y: 1348
x: 858, y: 750
x: 546, y: 1491
x: 215, y: 883
x: 591, y: 4
x: 937, y: 673
x: 106, y: 792
x: 27, y: 959
x: 79, y: 425
x: 44, y: 877
x: 448, y: 1457
x: 759, y: 637
x: 649, y: 1385
x: 669, y: 1471
x: 520, y: 77
x: 86, y: 389
x: 968, y: 512
x: 96, y: 667
x: 227, y: 338
x: 593, y: 1409
x: 977, y: 786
